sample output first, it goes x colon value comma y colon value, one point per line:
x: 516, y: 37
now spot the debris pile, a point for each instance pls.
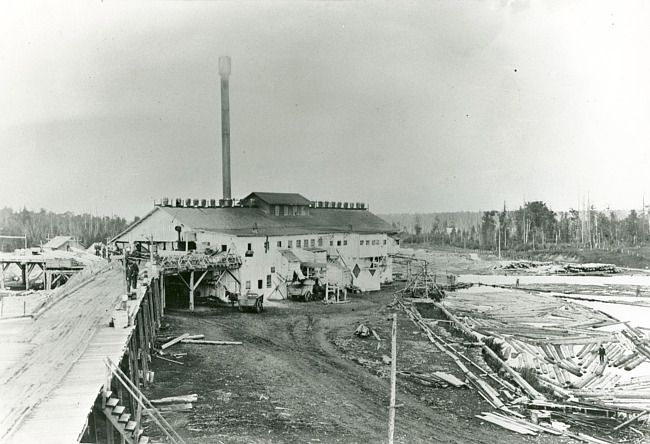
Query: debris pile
x: 580, y: 356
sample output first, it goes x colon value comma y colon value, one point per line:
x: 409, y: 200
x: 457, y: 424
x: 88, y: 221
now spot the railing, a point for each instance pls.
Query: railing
x: 138, y: 396
x: 198, y: 261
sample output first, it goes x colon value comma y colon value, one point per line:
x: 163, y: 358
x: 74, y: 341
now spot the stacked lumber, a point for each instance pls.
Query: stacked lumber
x: 559, y: 342
x: 591, y: 268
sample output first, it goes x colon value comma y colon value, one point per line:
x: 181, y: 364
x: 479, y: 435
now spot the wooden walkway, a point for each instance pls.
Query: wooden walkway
x: 52, y: 367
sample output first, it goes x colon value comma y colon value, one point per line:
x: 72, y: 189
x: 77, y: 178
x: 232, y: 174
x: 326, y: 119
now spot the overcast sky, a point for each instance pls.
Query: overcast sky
x: 410, y: 107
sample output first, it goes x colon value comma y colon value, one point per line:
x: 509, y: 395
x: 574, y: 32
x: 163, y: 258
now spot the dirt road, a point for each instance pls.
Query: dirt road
x: 302, y: 376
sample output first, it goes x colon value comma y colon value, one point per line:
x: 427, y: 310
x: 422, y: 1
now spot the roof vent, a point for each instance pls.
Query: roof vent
x: 188, y: 202
x: 165, y: 201
x: 213, y: 203
x: 345, y: 205
x: 204, y: 203
x: 196, y: 202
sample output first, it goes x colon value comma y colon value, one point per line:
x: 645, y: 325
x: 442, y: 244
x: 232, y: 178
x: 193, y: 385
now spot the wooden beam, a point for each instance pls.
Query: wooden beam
x: 191, y: 290
x: 174, y: 341
x: 233, y: 276
x: 631, y: 420
x: 163, y: 295
x: 184, y: 281
x: 23, y: 269
x: 203, y: 341
x: 200, y: 279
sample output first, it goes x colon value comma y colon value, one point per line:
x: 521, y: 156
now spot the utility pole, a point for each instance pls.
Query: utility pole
x: 393, y: 371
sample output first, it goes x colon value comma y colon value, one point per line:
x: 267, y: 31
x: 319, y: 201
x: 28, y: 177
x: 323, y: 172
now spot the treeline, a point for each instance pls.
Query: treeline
x: 43, y: 225
x: 532, y: 226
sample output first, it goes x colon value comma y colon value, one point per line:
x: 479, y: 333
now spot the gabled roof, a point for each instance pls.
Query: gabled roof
x: 279, y: 198
x: 57, y: 242
x: 242, y: 221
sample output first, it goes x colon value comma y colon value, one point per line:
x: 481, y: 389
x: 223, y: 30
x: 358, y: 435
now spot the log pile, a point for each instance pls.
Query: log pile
x: 559, y: 341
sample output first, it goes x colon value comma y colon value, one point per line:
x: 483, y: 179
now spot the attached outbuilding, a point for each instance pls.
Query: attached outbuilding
x: 274, y: 235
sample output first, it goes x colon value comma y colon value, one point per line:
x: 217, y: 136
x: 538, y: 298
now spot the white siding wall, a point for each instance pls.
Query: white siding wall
x: 161, y: 225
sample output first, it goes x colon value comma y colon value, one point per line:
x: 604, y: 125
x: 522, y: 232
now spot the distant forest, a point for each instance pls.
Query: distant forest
x: 532, y: 226
x: 43, y: 225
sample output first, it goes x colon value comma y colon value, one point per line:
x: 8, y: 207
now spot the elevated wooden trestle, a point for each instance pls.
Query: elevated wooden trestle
x: 73, y: 373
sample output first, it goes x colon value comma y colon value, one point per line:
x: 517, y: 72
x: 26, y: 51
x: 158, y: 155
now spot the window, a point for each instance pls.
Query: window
x: 279, y: 244
x: 345, y: 242
x: 320, y: 241
x: 367, y: 242
x: 384, y: 241
x: 249, y: 247
x: 286, y: 210
x: 277, y: 210
x: 298, y: 243
x: 224, y: 248
x: 306, y: 243
x: 272, y: 269
x: 248, y: 285
x: 338, y: 243
x: 289, y: 244
x: 260, y: 284
x: 331, y: 243
x: 268, y: 281
x: 313, y: 243
x: 362, y: 243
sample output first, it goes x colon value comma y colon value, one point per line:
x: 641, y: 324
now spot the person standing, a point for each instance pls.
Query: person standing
x: 134, y: 275
x: 127, y: 273
x: 601, y: 353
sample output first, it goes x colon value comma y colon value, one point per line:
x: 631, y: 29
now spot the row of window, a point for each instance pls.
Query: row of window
x: 374, y: 242
x: 260, y: 283
x: 307, y: 243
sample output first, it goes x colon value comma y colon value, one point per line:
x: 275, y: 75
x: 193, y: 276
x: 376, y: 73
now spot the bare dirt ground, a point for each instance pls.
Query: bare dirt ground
x: 302, y: 376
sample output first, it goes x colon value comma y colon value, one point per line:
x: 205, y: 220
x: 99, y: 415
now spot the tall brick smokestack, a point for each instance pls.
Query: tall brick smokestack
x: 224, y: 73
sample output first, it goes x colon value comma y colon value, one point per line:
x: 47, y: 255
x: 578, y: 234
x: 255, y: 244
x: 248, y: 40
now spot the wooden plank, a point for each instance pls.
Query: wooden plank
x: 202, y: 341
x: 174, y: 341
x: 507, y: 425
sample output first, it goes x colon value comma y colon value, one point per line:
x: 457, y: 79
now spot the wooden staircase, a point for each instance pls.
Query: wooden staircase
x: 122, y: 421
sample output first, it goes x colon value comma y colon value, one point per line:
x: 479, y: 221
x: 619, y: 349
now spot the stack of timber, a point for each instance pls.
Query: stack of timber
x: 503, y: 400
x: 559, y: 343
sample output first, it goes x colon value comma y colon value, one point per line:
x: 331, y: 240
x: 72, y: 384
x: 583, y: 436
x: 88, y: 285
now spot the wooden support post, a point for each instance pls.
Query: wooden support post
x: 110, y: 437
x: 136, y: 369
x: 23, y: 269
x: 142, y: 348
x: 163, y: 296
x: 96, y: 426
x: 120, y: 394
x: 155, y: 299
x: 132, y: 366
x: 2, y: 283
x: 152, y: 317
x: 144, y: 308
x: 192, y: 290
x: 393, y: 371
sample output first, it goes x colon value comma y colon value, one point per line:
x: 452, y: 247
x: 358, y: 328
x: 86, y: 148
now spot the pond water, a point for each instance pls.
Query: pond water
x: 637, y: 316
x: 495, y: 279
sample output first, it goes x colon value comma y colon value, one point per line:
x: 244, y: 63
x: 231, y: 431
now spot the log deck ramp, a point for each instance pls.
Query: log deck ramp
x: 52, y: 365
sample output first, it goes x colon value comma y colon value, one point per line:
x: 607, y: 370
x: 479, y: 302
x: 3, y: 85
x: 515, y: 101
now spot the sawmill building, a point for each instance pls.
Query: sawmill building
x: 273, y: 234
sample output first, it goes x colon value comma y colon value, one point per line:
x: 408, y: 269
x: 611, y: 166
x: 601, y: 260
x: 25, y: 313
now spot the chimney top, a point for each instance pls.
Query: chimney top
x: 224, y: 66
